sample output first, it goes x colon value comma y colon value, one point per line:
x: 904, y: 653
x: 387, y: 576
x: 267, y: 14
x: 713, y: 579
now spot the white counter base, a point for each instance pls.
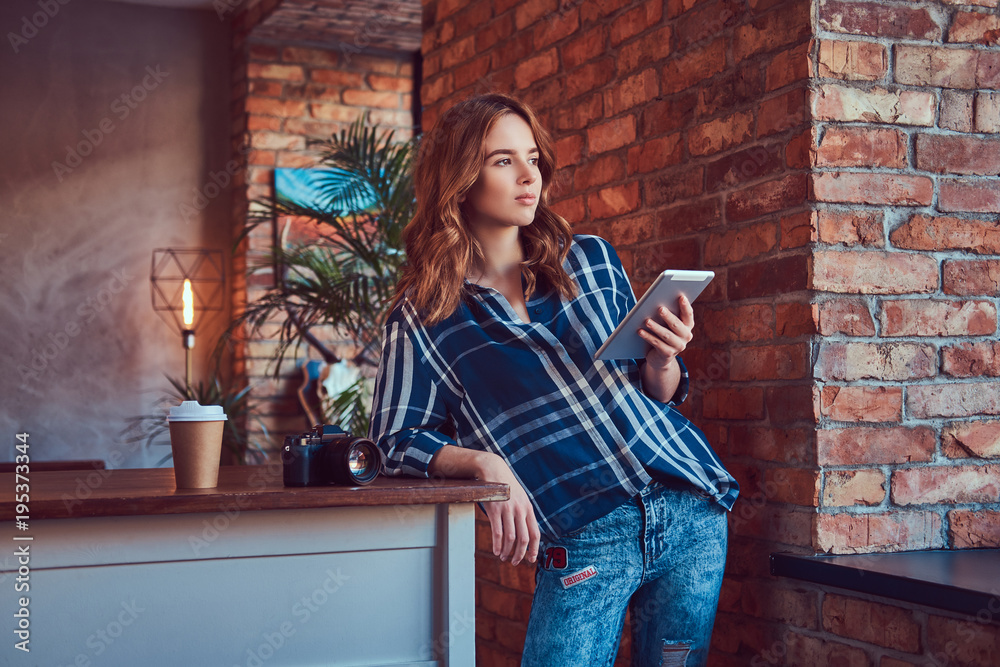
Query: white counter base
x: 382, y: 585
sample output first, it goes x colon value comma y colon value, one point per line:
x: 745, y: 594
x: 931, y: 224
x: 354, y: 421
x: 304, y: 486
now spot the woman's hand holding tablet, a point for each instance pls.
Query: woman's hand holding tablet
x: 625, y: 342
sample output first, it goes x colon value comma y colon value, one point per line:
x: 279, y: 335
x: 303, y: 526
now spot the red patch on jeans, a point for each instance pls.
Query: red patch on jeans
x: 555, y: 558
x: 579, y: 577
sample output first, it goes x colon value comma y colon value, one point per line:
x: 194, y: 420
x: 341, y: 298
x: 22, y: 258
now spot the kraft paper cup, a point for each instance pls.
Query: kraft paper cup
x: 196, y: 440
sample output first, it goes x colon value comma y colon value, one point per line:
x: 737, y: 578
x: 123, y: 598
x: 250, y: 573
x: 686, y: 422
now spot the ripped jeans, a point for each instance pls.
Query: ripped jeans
x: 660, y: 555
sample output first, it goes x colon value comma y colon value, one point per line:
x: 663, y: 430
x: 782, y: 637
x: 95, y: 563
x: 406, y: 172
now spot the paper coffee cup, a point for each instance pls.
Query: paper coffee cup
x: 196, y: 440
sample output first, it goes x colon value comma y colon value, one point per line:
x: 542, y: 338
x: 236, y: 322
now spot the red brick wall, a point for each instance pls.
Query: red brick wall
x: 284, y: 95
x: 841, y: 183
x: 681, y: 134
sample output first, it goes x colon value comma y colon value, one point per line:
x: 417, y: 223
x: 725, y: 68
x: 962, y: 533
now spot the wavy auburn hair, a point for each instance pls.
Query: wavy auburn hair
x: 440, y: 249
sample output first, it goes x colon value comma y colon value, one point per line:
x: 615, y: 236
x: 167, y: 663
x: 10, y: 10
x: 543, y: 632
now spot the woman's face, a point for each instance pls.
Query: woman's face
x: 509, y: 184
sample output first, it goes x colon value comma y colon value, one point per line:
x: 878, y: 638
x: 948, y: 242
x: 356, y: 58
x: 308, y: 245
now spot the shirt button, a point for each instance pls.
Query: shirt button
x: 537, y: 311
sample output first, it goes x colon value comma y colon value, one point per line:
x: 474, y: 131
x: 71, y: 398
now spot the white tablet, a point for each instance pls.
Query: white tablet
x: 625, y: 342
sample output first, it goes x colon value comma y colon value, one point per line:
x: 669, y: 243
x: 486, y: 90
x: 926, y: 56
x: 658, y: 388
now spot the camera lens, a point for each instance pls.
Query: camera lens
x: 356, y: 462
x: 363, y: 461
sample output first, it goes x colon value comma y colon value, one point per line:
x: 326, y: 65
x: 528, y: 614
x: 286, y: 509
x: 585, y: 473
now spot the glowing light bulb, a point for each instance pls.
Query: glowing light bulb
x: 188, y: 299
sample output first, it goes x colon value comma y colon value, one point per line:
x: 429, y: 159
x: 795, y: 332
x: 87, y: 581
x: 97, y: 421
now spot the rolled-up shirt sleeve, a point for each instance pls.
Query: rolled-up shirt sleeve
x: 408, y: 412
x: 683, y: 387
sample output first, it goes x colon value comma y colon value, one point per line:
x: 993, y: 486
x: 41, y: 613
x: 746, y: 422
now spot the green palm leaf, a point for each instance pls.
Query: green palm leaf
x: 347, y: 279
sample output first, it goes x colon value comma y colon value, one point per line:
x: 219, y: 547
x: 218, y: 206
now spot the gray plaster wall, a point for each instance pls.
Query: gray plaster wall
x: 144, y: 92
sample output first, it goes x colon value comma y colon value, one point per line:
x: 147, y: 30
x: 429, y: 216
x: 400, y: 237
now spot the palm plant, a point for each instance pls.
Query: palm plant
x: 346, y: 279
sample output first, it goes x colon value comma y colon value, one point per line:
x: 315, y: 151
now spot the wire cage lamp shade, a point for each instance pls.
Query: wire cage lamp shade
x: 187, y: 283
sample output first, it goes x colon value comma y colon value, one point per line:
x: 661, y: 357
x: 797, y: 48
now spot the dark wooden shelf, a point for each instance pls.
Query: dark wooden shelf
x: 963, y: 581
x: 144, y: 491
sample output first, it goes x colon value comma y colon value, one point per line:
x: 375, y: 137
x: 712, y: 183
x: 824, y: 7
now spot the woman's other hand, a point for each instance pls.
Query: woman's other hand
x: 668, y: 336
x: 513, y: 525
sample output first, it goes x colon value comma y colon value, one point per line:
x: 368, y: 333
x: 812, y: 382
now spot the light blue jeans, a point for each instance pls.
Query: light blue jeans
x: 661, y: 555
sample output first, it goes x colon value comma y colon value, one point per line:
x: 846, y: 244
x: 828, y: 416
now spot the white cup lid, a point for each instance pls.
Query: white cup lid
x: 193, y: 411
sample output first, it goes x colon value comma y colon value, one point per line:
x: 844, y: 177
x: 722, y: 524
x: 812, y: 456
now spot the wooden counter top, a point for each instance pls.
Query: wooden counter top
x: 144, y: 491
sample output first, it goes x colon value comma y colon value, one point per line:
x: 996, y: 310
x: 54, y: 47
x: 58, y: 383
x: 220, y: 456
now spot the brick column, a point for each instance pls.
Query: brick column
x: 906, y: 223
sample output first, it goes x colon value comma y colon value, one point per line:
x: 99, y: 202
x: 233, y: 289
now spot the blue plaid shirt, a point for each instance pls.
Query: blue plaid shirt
x: 580, y: 435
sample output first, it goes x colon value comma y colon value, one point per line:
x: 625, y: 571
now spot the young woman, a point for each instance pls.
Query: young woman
x: 487, y: 372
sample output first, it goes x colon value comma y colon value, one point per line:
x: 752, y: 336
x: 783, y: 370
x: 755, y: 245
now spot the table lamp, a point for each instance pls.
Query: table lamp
x: 189, y: 282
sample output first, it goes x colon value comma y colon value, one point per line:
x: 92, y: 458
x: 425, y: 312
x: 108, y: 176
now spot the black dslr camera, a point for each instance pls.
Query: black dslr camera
x: 328, y: 455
